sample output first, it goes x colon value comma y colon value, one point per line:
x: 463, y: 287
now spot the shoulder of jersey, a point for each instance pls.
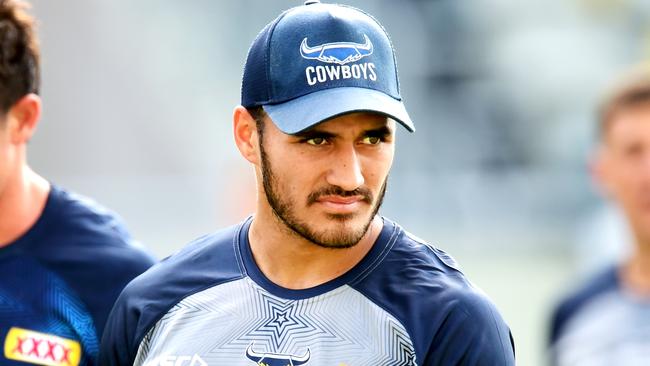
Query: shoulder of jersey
x: 82, y: 226
x: 75, y: 212
x: 596, y: 285
x: 416, y: 267
x: 204, y: 262
x: 423, y: 287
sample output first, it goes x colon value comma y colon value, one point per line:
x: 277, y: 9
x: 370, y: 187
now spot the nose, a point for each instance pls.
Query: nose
x: 345, y: 170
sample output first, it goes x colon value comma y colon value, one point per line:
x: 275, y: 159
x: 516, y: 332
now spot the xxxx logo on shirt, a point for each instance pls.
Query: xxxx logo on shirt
x: 41, y: 348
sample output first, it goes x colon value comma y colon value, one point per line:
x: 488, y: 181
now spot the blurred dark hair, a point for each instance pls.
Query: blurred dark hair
x: 19, y: 53
x: 631, y: 89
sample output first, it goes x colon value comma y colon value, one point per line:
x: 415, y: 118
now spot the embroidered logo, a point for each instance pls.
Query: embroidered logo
x: 338, y: 52
x: 338, y: 55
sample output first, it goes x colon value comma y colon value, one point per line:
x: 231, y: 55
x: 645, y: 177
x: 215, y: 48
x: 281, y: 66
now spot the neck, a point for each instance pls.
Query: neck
x: 293, y: 262
x: 21, y: 203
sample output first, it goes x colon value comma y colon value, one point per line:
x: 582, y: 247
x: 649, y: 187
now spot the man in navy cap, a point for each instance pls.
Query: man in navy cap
x: 316, y: 276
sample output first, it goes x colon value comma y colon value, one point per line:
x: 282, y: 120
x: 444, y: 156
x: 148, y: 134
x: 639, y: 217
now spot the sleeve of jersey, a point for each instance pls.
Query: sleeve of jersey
x: 474, y: 334
x: 206, y: 262
x: 123, y: 332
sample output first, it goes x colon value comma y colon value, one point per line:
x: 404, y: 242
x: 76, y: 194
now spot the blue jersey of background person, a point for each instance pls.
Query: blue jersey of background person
x: 60, y: 280
x: 63, y: 259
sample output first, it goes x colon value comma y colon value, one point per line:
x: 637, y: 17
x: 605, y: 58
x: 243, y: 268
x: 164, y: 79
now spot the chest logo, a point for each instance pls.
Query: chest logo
x: 276, y: 359
x: 41, y: 348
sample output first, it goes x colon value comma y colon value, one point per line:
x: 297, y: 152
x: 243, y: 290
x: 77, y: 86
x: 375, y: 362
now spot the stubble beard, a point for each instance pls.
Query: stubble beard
x: 284, y: 210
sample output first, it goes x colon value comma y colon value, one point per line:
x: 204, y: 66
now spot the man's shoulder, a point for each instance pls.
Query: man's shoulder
x: 602, y: 282
x: 82, y: 230
x: 438, y: 280
x: 72, y: 214
x: 205, y: 262
x: 423, y: 287
x: 212, y: 257
x: 421, y: 264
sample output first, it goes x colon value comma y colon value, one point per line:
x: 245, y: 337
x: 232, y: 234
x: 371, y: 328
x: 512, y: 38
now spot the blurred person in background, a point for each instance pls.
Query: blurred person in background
x: 316, y: 276
x: 606, y: 321
x: 63, y: 258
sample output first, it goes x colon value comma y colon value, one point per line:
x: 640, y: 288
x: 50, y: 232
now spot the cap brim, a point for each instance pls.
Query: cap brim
x: 304, y: 112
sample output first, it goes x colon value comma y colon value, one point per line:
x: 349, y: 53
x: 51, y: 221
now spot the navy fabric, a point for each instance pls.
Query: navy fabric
x: 315, y: 48
x: 449, y: 321
x: 604, y: 281
x: 63, y: 275
x: 453, y: 322
x: 326, y: 24
x: 206, y: 262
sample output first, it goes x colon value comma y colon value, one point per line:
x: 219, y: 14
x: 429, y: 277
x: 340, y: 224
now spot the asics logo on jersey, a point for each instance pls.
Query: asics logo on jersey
x: 339, y: 54
x: 276, y: 359
x: 41, y: 348
x: 170, y: 360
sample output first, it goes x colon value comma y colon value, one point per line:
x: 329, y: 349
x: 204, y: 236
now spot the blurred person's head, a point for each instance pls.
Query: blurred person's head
x: 320, y: 98
x: 622, y: 163
x: 20, y: 104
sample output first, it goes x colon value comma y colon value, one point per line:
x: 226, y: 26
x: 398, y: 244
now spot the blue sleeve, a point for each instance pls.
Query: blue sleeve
x: 146, y: 299
x: 450, y: 321
x: 472, y: 335
x: 119, y: 345
x: 574, y: 301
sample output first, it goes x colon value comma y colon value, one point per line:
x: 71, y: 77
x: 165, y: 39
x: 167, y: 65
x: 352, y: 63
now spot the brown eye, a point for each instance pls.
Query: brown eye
x: 371, y: 140
x: 316, y: 141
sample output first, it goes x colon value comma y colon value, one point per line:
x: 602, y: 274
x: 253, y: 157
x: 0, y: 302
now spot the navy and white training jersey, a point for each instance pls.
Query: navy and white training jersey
x: 601, y: 323
x: 59, y: 280
x: 405, y: 303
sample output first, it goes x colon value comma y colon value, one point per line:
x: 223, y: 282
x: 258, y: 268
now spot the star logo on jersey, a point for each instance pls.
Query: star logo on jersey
x: 281, y: 321
x: 41, y: 348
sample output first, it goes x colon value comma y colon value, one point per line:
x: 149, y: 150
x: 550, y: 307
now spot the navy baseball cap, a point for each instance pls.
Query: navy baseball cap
x: 319, y: 61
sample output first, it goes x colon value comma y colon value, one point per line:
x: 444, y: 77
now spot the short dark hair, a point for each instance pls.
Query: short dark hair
x: 19, y: 53
x: 631, y: 89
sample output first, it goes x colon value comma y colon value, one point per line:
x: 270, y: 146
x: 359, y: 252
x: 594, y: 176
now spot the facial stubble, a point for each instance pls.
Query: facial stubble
x: 284, y: 209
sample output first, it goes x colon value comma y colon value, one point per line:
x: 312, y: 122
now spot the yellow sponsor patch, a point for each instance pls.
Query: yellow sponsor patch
x: 41, y: 348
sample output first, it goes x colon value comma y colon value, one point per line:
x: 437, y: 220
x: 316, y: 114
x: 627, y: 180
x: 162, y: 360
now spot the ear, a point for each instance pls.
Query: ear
x: 23, y: 118
x: 246, y: 137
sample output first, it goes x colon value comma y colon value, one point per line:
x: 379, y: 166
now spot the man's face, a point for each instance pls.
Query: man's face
x: 624, y: 164
x: 326, y: 184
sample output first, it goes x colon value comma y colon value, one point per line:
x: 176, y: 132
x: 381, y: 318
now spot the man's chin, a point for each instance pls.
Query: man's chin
x: 344, y: 233
x: 341, y: 218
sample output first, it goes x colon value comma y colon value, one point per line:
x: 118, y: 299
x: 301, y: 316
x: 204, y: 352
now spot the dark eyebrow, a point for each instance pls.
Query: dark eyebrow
x: 380, y: 131
x: 313, y: 133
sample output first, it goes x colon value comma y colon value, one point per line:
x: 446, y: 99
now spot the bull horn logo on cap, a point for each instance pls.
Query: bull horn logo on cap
x: 337, y: 52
